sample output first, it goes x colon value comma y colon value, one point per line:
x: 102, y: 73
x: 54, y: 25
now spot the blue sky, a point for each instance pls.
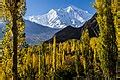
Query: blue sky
x: 38, y: 7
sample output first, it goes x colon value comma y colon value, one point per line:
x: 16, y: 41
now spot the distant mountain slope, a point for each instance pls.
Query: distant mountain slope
x: 1, y: 27
x: 75, y: 33
x: 60, y: 18
x: 35, y: 33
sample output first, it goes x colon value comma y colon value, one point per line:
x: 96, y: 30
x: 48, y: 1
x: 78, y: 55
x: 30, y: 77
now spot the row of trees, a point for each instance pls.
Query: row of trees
x: 73, y: 58
x: 87, y: 57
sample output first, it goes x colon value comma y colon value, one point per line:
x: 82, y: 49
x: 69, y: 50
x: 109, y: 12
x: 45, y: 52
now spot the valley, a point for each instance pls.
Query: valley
x: 60, y: 43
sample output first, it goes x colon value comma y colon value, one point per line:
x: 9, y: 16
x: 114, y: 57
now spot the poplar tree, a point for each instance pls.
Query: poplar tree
x: 54, y: 54
x: 13, y: 12
x: 77, y: 55
x: 108, y: 45
x: 85, y: 41
x: 94, y: 44
x: 63, y: 53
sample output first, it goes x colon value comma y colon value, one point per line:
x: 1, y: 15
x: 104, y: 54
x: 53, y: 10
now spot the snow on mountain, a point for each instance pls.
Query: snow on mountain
x: 60, y: 18
x: 40, y: 28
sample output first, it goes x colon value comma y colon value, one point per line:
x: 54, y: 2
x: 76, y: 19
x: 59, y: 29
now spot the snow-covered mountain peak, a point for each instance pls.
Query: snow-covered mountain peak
x: 69, y: 9
x: 73, y: 8
x: 52, y: 11
x: 60, y: 18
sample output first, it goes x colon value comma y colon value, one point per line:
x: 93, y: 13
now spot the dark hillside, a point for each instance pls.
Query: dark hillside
x: 75, y: 33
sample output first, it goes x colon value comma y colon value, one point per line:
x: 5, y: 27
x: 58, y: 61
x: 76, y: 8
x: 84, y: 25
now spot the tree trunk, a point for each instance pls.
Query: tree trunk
x: 15, y: 43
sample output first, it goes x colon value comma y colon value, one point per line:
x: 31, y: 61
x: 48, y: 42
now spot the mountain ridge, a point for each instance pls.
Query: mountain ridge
x: 35, y: 33
x: 62, y: 17
x: 75, y: 33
